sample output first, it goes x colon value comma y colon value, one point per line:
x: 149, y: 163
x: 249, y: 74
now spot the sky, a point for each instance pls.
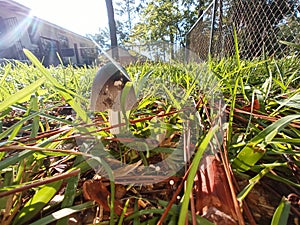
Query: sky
x: 82, y: 17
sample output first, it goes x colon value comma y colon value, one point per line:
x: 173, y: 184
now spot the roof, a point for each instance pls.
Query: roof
x: 14, y: 6
x: 24, y: 10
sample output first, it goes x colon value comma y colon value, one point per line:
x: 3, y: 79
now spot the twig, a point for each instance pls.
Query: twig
x: 230, y: 176
x: 234, y: 183
x: 32, y: 148
x: 39, y: 183
x: 173, y: 199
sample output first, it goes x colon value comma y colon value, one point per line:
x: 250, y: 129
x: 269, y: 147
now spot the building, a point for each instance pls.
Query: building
x: 19, y: 29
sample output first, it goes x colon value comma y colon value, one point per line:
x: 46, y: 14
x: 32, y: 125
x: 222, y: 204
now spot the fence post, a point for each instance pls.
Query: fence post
x: 212, y: 30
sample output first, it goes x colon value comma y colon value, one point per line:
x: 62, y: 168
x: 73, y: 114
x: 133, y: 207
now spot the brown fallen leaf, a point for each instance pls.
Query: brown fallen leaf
x: 213, y: 196
x: 96, y: 190
x: 255, y: 106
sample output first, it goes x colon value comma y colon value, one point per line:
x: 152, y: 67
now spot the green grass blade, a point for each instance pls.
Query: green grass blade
x: 8, y: 179
x: 37, y: 202
x: 293, y: 102
x: 283, y: 180
x: 13, y: 159
x: 35, y: 122
x: 42, y: 113
x: 251, y: 153
x: 281, y: 214
x: 124, y: 98
x: 231, y: 113
x: 61, y: 89
x: 139, y: 84
x: 192, y: 173
x: 63, y: 213
x: 242, y: 195
x: 7, y: 162
x: 297, y: 46
x: 123, y: 212
x: 15, y: 129
x: 135, y: 217
x: 69, y: 196
x: 16, y: 97
x: 7, y: 70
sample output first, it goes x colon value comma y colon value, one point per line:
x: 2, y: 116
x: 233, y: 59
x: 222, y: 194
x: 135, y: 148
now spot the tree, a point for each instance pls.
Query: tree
x: 159, y: 22
x: 126, y: 8
x: 102, y: 37
x: 165, y: 20
x: 125, y: 13
x: 199, y: 4
x: 112, y: 28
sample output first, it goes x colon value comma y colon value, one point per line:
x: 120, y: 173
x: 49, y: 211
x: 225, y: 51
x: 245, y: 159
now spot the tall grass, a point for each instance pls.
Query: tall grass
x: 263, y: 141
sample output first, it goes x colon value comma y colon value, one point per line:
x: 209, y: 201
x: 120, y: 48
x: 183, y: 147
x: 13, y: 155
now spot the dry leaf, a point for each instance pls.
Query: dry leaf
x: 213, y: 197
x: 96, y: 190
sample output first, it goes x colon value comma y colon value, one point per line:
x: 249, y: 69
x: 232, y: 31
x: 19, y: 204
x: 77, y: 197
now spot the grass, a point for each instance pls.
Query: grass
x: 51, y: 143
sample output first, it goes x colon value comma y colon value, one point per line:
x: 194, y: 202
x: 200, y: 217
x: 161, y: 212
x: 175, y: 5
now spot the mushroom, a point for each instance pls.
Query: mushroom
x: 106, y: 93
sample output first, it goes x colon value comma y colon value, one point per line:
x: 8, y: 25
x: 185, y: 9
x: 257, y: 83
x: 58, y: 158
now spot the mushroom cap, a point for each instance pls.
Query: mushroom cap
x: 107, y: 89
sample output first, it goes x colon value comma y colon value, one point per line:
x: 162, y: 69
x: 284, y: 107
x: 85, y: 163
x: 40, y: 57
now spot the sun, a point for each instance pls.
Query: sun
x: 82, y: 18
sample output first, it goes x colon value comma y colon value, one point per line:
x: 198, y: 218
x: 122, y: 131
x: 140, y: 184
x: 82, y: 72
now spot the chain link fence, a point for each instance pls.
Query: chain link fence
x: 261, y: 26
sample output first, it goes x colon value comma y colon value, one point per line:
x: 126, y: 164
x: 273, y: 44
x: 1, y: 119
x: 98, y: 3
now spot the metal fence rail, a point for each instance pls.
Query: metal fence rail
x: 261, y: 25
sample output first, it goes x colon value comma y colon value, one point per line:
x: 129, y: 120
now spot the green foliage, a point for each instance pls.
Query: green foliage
x: 163, y: 21
x: 262, y: 139
x: 37, y: 202
x: 164, y: 15
x: 281, y: 214
x: 150, y: 21
x: 63, y: 213
x: 102, y: 38
x: 255, y: 148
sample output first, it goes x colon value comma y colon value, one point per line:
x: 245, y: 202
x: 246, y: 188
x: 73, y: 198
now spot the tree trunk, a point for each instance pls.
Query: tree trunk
x: 112, y: 29
x: 200, y: 10
x: 128, y: 14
